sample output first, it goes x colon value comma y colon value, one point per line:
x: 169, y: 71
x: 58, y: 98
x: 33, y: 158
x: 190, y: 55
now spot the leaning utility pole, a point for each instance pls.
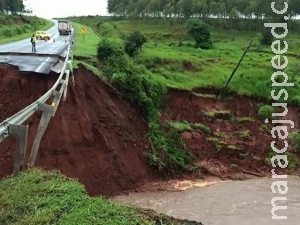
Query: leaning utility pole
x: 233, y: 72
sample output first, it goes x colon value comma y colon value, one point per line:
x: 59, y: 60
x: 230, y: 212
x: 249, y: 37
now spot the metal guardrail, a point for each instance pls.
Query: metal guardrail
x: 13, y: 125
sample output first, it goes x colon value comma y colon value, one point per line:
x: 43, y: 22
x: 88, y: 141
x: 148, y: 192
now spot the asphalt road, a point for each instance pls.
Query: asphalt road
x: 34, y: 62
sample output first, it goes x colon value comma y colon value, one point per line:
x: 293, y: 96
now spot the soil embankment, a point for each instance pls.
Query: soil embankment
x: 18, y: 91
x: 98, y: 138
x: 238, y: 144
x: 94, y: 136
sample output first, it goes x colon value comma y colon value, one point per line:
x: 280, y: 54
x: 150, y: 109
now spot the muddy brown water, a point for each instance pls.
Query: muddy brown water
x: 231, y: 202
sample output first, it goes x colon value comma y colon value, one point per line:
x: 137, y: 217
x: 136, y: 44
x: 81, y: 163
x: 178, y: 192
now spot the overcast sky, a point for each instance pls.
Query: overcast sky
x: 64, y: 8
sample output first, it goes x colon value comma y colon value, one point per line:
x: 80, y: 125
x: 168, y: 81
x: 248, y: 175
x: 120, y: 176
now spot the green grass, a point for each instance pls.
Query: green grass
x: 215, y: 65
x: 88, y: 66
x: 215, y: 113
x: 233, y: 147
x: 213, y: 139
x: 38, y: 197
x: 15, y: 28
x: 85, y: 44
x: 222, y: 135
x: 245, y: 133
x: 180, y: 126
x: 186, y: 126
x: 165, y: 58
x: 205, y: 95
x: 243, y: 119
x: 203, y: 127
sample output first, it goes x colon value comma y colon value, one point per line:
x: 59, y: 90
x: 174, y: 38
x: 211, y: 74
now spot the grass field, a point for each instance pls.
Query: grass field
x: 85, y: 44
x: 185, y: 67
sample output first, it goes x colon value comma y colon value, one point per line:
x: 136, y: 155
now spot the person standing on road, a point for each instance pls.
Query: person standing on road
x: 33, y: 40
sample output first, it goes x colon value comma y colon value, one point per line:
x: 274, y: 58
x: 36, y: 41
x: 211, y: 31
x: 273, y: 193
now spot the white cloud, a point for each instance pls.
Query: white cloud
x: 64, y: 8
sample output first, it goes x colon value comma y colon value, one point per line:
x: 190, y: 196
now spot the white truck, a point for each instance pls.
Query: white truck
x: 64, y: 27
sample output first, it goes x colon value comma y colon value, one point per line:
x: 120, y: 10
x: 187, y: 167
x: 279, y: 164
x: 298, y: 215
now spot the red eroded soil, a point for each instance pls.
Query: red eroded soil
x: 249, y: 144
x: 94, y: 136
x: 18, y: 91
x: 97, y: 137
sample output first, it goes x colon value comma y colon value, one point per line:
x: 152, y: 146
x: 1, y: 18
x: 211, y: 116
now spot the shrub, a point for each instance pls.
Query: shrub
x: 265, y: 111
x: 296, y: 100
x: 134, y: 43
x: 199, y: 31
x: 107, y: 50
x: 136, y: 85
x: 266, y: 37
x: 295, y: 139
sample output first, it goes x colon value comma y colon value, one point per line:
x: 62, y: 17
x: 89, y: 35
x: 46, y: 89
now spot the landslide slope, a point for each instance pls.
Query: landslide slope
x: 95, y: 136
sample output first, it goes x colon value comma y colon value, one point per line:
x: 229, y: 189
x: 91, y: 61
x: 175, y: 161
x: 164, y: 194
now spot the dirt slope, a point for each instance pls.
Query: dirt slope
x: 95, y: 136
x: 235, y: 147
x: 17, y: 91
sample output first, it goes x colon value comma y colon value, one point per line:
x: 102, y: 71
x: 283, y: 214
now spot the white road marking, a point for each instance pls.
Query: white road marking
x: 43, y: 63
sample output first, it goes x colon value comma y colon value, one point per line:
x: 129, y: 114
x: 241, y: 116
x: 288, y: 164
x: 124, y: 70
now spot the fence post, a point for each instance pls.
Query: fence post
x: 20, y: 132
x: 46, y: 116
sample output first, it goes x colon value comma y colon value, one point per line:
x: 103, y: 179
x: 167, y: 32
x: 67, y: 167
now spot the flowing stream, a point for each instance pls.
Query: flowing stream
x: 222, y: 203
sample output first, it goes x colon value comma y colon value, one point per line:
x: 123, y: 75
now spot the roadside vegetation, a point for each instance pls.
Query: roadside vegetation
x: 39, y: 197
x: 15, y: 27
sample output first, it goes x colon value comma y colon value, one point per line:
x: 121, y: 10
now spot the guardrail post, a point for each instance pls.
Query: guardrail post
x: 72, y: 80
x: 19, y: 131
x: 66, y: 87
x: 70, y: 68
x: 57, y: 96
x: 46, y: 116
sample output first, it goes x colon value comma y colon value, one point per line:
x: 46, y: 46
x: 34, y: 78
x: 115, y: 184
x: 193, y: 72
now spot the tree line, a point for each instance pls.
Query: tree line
x: 238, y: 13
x: 12, y: 6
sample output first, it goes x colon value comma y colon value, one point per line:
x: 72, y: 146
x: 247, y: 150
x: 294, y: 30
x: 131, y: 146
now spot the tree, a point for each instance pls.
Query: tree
x: 199, y: 31
x: 229, y: 14
x: 12, y: 6
x: 134, y: 43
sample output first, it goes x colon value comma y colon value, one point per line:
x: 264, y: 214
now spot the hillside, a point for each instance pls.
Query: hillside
x: 13, y: 27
